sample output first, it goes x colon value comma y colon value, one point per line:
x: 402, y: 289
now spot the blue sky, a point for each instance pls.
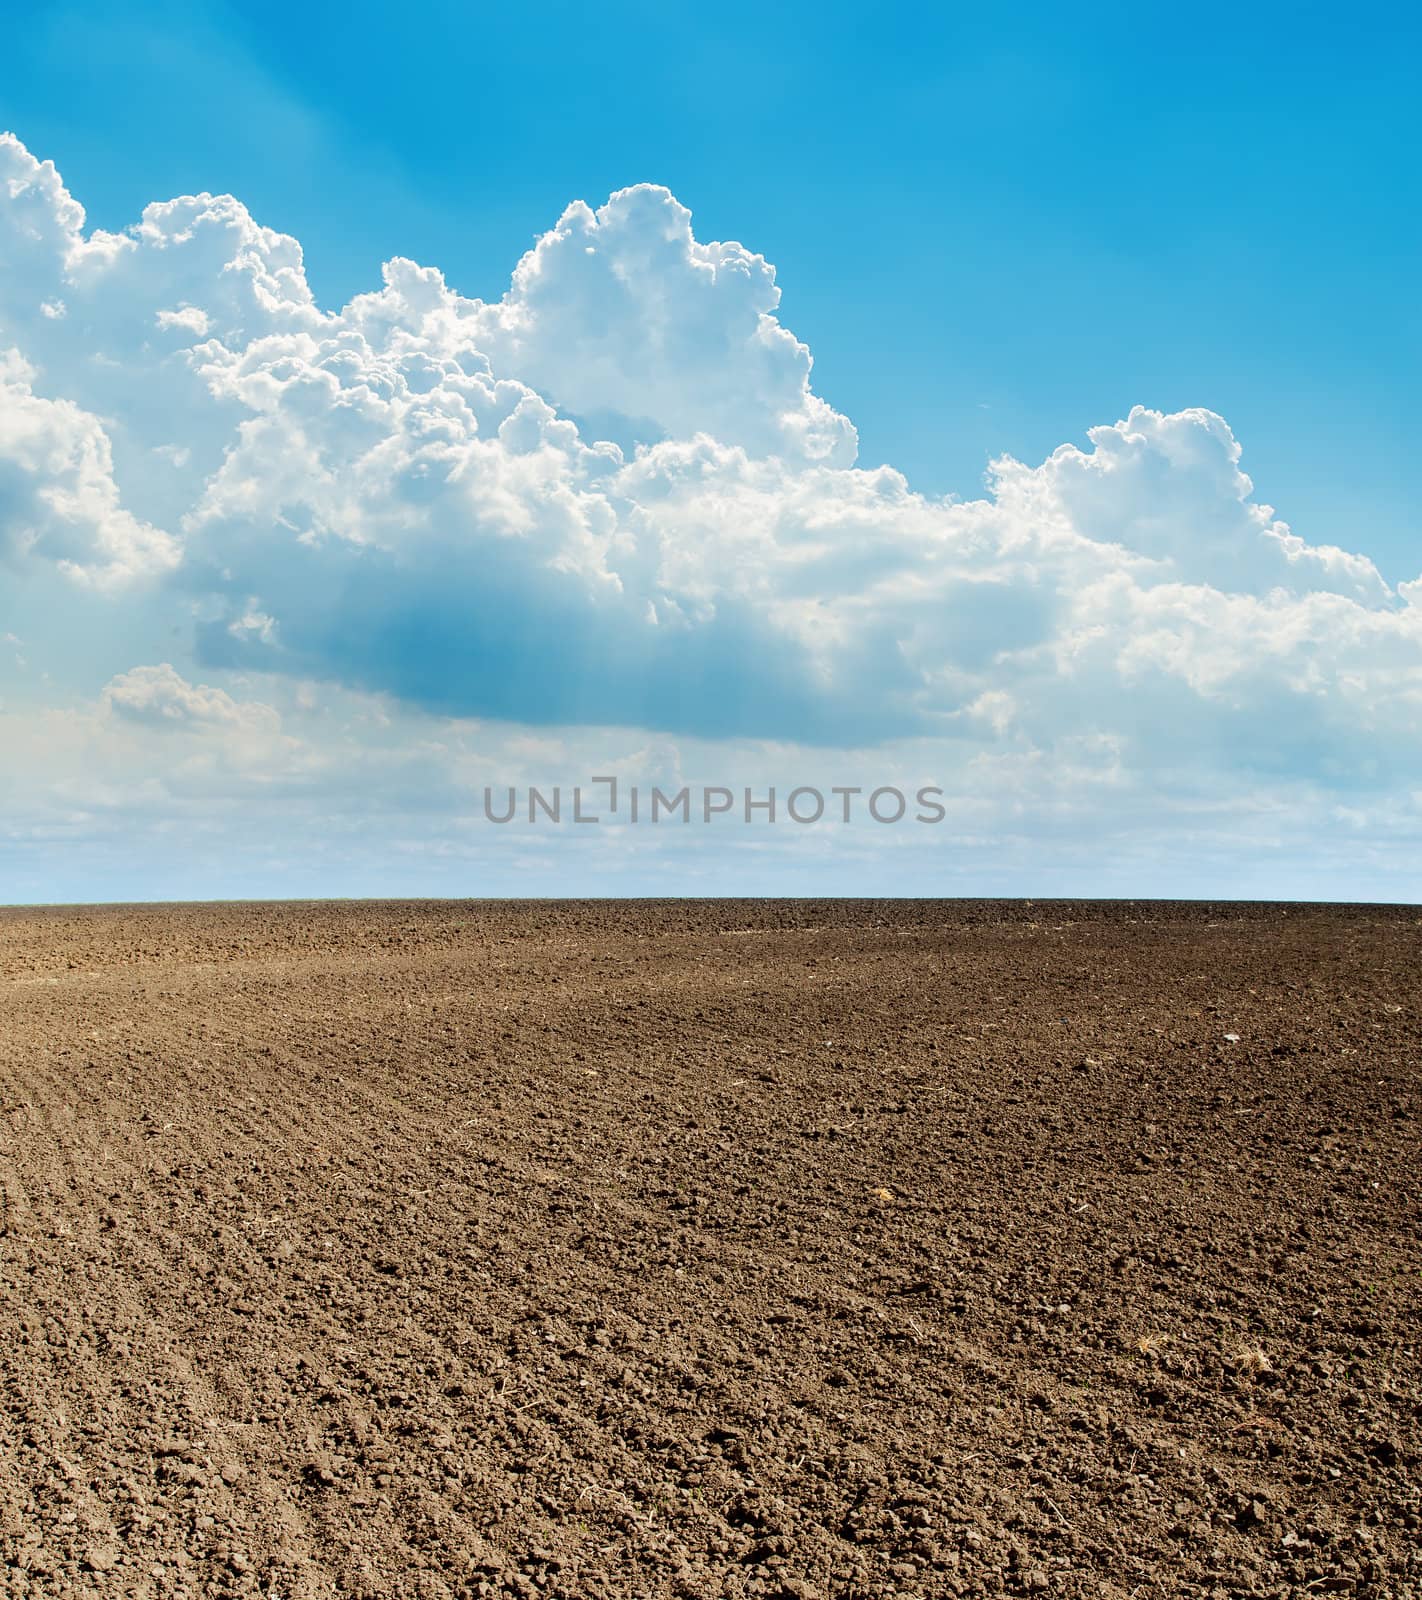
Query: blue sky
x: 995, y: 233
x: 994, y: 228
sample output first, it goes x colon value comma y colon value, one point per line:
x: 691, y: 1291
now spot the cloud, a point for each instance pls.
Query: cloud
x: 58, y: 498
x: 161, y: 697
x: 613, y: 498
x: 281, y: 788
x: 621, y: 310
x: 1170, y: 488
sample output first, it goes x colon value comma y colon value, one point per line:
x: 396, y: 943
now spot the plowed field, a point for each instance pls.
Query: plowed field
x: 710, y: 1249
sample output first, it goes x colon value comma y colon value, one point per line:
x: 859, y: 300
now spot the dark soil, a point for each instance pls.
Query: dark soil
x: 686, y: 1249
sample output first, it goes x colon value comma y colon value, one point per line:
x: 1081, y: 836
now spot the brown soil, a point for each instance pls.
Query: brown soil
x: 778, y: 1249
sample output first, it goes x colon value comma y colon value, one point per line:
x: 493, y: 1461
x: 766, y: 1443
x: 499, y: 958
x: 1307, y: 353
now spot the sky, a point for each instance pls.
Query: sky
x: 1011, y: 402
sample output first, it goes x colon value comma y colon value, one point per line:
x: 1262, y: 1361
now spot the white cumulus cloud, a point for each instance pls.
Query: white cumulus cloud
x: 613, y: 498
x: 58, y: 498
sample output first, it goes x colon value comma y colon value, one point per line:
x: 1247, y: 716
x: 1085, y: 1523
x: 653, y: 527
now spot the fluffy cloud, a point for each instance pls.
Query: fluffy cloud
x: 622, y: 311
x: 161, y: 697
x: 613, y: 498
x: 58, y: 498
